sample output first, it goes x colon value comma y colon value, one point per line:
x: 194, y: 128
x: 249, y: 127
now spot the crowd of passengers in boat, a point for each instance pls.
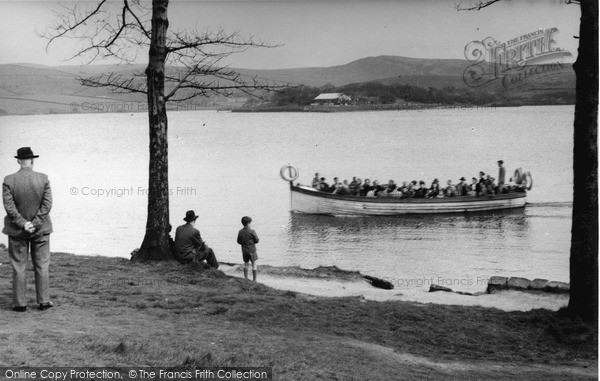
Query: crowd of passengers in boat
x: 484, y: 186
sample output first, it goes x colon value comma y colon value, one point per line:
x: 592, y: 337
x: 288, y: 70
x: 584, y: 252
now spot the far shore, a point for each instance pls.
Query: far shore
x: 113, y: 312
x: 125, y: 107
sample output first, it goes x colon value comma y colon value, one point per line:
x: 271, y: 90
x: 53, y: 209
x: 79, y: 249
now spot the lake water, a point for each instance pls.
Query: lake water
x: 226, y: 165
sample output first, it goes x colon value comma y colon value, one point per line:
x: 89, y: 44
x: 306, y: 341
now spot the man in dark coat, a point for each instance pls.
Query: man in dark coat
x: 27, y: 199
x: 189, y: 246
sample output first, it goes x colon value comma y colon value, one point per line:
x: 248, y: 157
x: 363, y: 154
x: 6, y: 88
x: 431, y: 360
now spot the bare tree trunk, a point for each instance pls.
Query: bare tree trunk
x: 156, y: 243
x: 584, y: 235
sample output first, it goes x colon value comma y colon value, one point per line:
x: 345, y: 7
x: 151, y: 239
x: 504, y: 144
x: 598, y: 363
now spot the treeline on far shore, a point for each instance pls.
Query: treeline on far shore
x: 377, y: 93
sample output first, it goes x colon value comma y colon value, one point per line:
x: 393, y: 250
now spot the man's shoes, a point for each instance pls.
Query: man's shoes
x: 20, y: 308
x: 45, y: 306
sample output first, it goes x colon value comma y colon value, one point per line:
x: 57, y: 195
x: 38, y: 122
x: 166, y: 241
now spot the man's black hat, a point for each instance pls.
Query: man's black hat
x: 25, y: 153
x: 190, y: 216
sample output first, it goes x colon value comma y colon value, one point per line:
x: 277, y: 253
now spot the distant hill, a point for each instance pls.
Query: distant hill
x: 37, y: 89
x: 366, y: 69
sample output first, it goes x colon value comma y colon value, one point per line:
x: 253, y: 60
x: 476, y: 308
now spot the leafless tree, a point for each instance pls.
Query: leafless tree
x: 181, y: 65
x: 583, y: 270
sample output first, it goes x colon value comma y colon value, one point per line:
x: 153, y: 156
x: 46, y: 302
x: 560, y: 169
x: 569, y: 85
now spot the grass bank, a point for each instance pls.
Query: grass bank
x: 109, y: 311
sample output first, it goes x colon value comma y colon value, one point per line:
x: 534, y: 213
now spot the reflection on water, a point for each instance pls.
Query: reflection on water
x: 414, y: 227
x: 461, y: 249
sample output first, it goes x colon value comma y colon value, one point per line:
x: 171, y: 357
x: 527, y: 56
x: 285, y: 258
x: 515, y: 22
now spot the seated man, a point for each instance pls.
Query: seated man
x: 377, y: 188
x: 462, y: 188
x: 434, y: 190
x: 391, y: 186
x: 334, y: 186
x: 343, y: 188
x: 421, y: 191
x: 189, y: 246
x: 404, y: 190
x: 450, y: 190
x: 474, y: 187
x: 323, y: 186
x: 354, y: 185
x: 366, y: 188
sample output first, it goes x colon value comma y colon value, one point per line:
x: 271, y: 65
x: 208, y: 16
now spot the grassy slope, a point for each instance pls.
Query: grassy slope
x: 113, y: 312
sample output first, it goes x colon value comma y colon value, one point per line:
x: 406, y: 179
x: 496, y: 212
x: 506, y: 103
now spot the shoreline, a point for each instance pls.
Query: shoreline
x: 342, y: 283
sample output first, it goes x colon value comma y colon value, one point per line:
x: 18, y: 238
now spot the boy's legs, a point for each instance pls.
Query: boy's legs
x: 254, y: 270
x: 246, y: 266
x: 254, y: 258
x: 246, y: 258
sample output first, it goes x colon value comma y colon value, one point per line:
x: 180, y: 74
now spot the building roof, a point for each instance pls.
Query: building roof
x: 328, y: 96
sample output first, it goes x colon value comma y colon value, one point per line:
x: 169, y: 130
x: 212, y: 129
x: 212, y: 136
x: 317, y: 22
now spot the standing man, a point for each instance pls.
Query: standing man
x: 189, y: 246
x: 27, y: 200
x: 501, y: 176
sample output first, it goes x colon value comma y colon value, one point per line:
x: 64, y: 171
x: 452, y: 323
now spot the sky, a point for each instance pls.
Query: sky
x: 314, y: 33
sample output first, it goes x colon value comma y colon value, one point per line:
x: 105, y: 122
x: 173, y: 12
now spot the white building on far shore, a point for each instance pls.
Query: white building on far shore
x: 331, y: 99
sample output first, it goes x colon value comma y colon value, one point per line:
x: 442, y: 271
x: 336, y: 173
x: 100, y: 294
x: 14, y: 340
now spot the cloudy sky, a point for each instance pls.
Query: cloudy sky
x: 317, y: 33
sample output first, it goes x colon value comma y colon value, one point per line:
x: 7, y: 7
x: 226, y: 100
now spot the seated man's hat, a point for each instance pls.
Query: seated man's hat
x: 190, y: 216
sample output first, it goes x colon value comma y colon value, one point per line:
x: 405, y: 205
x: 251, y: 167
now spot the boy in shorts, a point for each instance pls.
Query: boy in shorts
x: 248, y: 239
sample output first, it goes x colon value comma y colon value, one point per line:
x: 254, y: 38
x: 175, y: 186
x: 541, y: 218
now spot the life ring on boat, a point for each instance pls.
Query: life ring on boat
x: 518, y: 176
x: 289, y: 172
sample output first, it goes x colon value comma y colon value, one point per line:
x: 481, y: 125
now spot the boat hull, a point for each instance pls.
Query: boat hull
x: 310, y: 201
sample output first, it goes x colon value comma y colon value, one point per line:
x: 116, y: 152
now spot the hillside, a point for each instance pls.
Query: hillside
x: 38, y: 89
x: 366, y: 69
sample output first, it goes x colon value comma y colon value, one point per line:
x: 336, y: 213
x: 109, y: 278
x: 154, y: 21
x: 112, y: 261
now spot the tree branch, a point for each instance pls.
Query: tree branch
x: 120, y: 29
x: 476, y: 6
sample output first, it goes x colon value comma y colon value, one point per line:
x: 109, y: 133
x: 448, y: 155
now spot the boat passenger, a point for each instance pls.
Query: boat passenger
x: 323, y: 186
x: 334, y: 186
x: 405, y: 190
x: 396, y: 193
x: 450, y: 190
x: 421, y: 191
x: 366, y: 188
x: 412, y: 188
x: 501, y: 174
x: 480, y: 183
x: 483, y: 191
x: 474, y: 187
x: 489, y: 184
x: 404, y: 186
x: 315, y: 181
x: 434, y: 190
x: 354, y: 186
x: 343, y: 188
x: 377, y: 187
x: 462, y: 188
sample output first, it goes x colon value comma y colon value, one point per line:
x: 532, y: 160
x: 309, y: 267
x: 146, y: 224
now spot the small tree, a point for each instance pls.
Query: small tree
x: 181, y: 65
